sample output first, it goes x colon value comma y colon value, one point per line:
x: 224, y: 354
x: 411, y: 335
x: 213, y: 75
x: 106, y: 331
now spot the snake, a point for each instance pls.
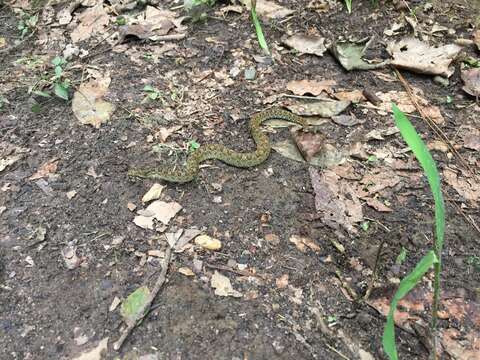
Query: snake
x: 220, y: 152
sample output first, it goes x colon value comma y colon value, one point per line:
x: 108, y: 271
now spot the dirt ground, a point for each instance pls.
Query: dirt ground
x: 69, y: 247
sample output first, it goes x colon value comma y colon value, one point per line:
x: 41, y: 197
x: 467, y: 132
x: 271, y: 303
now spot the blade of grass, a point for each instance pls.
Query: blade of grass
x: 425, y: 159
x: 258, y: 28
x: 348, y: 4
x: 407, y: 284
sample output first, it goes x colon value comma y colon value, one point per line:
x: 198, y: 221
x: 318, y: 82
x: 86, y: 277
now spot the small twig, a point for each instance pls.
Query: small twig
x: 239, y: 272
x: 156, y: 288
x: 375, y: 271
x: 337, y: 352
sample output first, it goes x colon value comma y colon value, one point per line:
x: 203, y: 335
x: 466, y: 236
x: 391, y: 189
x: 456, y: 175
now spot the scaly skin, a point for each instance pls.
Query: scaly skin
x: 222, y: 153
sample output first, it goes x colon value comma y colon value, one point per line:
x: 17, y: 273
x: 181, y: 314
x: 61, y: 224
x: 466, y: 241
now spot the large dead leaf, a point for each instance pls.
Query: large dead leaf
x: 466, y: 187
x: 48, y: 168
x: 417, y: 56
x: 223, y: 286
x: 92, y: 21
x: 313, y: 87
x: 307, y: 44
x: 87, y: 104
x: 324, y: 108
x: 350, y: 55
x: 335, y: 200
x: 268, y: 9
x: 404, y: 103
x: 471, y: 80
x: 157, y: 210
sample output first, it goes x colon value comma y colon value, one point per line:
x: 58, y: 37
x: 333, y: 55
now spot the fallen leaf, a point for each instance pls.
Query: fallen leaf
x: 476, y: 38
x: 347, y: 120
x: 302, y: 242
x: 313, y: 87
x: 282, y: 281
x: 468, y: 188
x: 70, y: 258
x: 91, y: 21
x: 161, y: 211
x: 87, y: 105
x: 379, y: 179
x: 186, y: 271
x: 378, y: 205
x: 45, y: 170
x: 350, y: 55
x: 223, y: 286
x: 354, y: 96
x: 471, y: 139
x: 153, y: 194
x: 471, y: 81
x: 207, y: 242
x: 415, y: 55
x: 307, y: 44
x: 335, y: 200
x: 268, y: 9
x: 95, y: 353
x: 308, y: 143
x: 324, y: 108
x: 134, y: 306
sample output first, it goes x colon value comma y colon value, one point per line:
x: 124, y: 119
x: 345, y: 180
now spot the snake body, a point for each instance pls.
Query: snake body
x: 222, y: 153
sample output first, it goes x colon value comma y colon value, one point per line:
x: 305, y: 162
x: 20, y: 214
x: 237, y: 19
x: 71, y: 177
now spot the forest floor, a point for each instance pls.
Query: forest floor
x: 291, y: 259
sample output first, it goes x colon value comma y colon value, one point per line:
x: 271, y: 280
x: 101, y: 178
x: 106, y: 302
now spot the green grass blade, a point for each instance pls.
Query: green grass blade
x: 407, y: 284
x: 258, y: 29
x: 422, y: 154
x: 348, y: 4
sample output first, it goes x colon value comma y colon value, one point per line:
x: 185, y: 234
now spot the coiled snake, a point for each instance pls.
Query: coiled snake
x: 222, y: 153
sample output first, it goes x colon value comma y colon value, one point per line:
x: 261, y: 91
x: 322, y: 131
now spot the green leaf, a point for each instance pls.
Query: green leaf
x: 258, y: 29
x: 36, y: 108
x: 148, y: 88
x: 348, y: 4
x: 42, y: 93
x: 423, y: 156
x: 134, y: 306
x: 58, y: 61
x: 401, y: 257
x: 58, y: 71
x: 61, y: 91
x: 193, y: 145
x: 407, y: 284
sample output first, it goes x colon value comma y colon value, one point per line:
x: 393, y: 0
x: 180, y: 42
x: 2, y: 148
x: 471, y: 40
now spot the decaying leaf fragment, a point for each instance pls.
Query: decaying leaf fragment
x: 87, y: 104
x: 415, y: 55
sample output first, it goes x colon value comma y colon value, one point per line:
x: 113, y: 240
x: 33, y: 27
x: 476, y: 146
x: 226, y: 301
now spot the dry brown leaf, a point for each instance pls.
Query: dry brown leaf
x: 302, y: 242
x: 154, y: 193
x: 268, y: 9
x: 355, y: 96
x: 48, y: 168
x: 324, y: 108
x: 87, y: 105
x: 471, y: 139
x: 466, y: 187
x: 476, y: 38
x: 208, y: 242
x: 282, y: 281
x: 308, y: 143
x: 307, y: 44
x: 335, y: 200
x: 471, y: 80
x: 223, y: 286
x: 378, y: 205
x: 417, y: 56
x: 313, y: 87
x: 91, y: 21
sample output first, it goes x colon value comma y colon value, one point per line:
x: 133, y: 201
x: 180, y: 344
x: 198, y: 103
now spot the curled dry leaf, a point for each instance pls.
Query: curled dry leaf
x: 223, y: 286
x: 207, y: 242
x: 313, y: 87
x: 87, y: 105
x: 154, y: 193
x: 307, y: 44
x: 471, y: 80
x: 302, y: 242
x: 350, y: 55
x: 325, y: 108
x: 417, y: 56
x: 268, y: 9
x: 48, y: 168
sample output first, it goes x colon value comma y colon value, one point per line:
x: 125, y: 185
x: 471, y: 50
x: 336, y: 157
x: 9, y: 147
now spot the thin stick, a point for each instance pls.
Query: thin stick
x: 156, y: 288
